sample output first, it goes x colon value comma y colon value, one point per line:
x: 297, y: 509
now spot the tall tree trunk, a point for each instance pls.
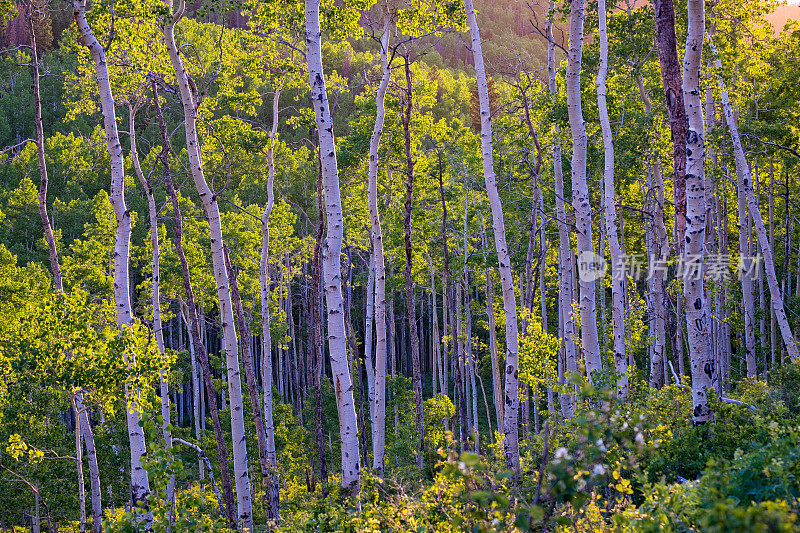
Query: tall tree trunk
x: 746, y: 183
x: 43, y: 179
x: 197, y: 394
x: 511, y: 389
x: 580, y: 190
x: 671, y: 79
x: 155, y: 292
x: 773, y: 337
x: 191, y: 307
x: 140, y: 483
x: 229, y: 339
x: 748, y: 304
x: 697, y: 320
x: 82, y: 419
x: 496, y: 376
x: 378, y: 400
x: 450, y: 304
x: 271, y: 477
x: 610, y: 215
x: 331, y: 252
x: 79, y: 464
x: 266, y: 465
x: 566, y: 272
x: 416, y: 372
x: 319, y: 344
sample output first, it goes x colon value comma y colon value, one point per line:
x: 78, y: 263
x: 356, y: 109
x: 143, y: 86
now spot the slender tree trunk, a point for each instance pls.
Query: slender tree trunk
x: 610, y: 215
x: 748, y: 304
x: 697, y: 319
x: 140, y: 483
x: 82, y: 415
x: 43, y: 178
x: 450, y: 304
x: 496, y: 376
x: 511, y: 389
x: 378, y: 399
x: 200, y: 347
x: 270, y: 455
x: 229, y: 339
x: 411, y: 313
x: 197, y: 394
x: 316, y: 321
x: 671, y: 79
x: 267, y: 467
x: 746, y: 183
x: 580, y: 190
x: 155, y: 301
x: 773, y: 337
x: 566, y: 273
x: 331, y: 252
x: 79, y: 464
x: 369, y: 321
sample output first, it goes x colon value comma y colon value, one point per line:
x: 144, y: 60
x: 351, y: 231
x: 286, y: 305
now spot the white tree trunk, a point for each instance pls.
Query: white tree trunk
x: 369, y: 321
x: 155, y: 301
x: 565, y: 270
x: 82, y: 418
x: 266, y: 339
x: 761, y: 232
x: 697, y: 317
x: 229, y: 337
x: 43, y: 181
x: 197, y: 393
x: 140, y: 484
x: 378, y: 399
x: 511, y: 389
x: 745, y: 257
x: 609, y: 198
x: 331, y: 253
x: 79, y: 465
x: 580, y: 191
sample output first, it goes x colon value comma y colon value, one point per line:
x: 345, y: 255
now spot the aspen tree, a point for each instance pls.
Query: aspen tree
x: 140, y: 483
x: 511, y: 389
x: 377, y: 262
x: 610, y: 215
x: 697, y: 320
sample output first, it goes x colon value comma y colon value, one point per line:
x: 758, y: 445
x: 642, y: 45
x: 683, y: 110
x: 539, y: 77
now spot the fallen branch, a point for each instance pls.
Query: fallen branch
x: 722, y: 398
x: 205, y: 459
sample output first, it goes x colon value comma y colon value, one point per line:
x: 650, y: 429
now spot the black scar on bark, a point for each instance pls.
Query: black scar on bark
x: 698, y: 304
x: 708, y: 369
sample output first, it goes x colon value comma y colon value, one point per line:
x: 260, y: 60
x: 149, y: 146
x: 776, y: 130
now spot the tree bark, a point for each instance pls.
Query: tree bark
x: 155, y: 293
x: 610, y: 215
x: 411, y: 313
x: 566, y: 272
x: 229, y: 339
x: 511, y: 389
x: 378, y: 399
x: 580, y: 190
x: 82, y: 417
x: 697, y: 321
x: 200, y: 347
x: 43, y: 178
x: 671, y: 79
x: 331, y: 253
x: 745, y: 182
x: 140, y: 483
x: 267, y: 467
x: 270, y: 476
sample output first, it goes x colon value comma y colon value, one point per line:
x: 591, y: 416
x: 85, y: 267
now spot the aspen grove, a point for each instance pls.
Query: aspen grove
x: 399, y: 265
